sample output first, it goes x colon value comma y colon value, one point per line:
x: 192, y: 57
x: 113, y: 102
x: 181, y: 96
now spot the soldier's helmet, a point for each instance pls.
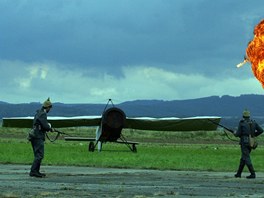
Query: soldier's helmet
x: 246, y: 113
x: 47, y: 103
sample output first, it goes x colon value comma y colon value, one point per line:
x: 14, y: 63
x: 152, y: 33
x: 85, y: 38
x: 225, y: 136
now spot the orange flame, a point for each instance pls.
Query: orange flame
x: 255, y: 52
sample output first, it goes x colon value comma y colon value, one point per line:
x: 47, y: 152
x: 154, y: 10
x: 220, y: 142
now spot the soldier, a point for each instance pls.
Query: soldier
x: 246, y: 128
x: 37, y: 137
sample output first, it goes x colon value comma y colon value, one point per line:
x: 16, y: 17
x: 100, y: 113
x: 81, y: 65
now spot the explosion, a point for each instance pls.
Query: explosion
x: 255, y: 53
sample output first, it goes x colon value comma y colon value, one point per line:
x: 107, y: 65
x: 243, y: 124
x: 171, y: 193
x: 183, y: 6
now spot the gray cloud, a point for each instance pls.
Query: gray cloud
x: 187, y: 37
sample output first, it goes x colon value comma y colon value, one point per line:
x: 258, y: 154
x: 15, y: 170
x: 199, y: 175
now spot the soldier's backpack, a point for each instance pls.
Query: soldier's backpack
x: 252, y: 139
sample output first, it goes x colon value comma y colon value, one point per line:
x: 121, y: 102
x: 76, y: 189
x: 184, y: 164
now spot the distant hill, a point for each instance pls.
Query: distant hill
x: 228, y: 107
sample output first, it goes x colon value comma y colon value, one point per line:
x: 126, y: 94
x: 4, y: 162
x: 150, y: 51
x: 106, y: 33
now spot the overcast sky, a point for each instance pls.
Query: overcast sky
x: 86, y: 51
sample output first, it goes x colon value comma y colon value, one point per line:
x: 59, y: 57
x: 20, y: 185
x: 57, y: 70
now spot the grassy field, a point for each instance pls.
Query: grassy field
x: 157, y: 150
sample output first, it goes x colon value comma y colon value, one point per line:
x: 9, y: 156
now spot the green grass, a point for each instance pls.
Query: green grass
x: 206, y: 151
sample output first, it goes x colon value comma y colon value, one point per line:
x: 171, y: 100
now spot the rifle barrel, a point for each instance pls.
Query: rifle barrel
x: 60, y: 132
x: 230, y: 130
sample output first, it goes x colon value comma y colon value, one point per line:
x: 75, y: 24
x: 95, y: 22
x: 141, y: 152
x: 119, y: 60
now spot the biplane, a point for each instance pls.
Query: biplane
x: 113, y: 120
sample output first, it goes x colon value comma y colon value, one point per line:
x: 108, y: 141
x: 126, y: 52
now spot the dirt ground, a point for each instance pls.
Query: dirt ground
x: 68, y: 181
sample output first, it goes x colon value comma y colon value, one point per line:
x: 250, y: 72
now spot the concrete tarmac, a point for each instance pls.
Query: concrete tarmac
x: 70, y: 181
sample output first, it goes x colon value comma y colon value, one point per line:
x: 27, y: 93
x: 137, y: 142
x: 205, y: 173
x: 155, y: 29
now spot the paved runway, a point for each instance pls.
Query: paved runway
x: 69, y: 181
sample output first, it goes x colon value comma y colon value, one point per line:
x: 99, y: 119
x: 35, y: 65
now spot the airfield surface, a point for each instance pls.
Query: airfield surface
x: 68, y: 181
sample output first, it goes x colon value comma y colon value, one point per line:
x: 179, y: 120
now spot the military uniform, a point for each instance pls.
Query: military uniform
x: 37, y: 137
x: 246, y: 128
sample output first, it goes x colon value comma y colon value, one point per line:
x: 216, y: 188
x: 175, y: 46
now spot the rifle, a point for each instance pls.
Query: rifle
x: 60, y: 132
x: 57, y: 136
x: 230, y: 130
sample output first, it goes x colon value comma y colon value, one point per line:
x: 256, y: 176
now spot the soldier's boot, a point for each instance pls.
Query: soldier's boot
x: 252, y: 172
x: 240, y: 169
x: 42, y: 174
x: 34, y: 172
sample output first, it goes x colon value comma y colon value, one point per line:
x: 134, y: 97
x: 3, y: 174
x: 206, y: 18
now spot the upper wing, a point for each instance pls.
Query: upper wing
x: 174, y: 124
x: 56, y: 122
x: 142, y: 123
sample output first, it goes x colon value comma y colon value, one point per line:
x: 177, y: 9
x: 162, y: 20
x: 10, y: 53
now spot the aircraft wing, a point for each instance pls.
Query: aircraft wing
x: 56, y: 122
x: 141, y: 123
x: 201, y: 123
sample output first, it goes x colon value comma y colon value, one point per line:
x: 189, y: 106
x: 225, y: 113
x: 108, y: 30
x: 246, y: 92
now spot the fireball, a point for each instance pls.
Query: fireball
x: 255, y: 53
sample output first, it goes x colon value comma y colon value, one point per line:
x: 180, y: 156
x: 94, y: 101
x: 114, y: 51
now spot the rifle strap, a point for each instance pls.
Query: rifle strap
x: 230, y: 137
x: 251, y: 131
x: 53, y: 140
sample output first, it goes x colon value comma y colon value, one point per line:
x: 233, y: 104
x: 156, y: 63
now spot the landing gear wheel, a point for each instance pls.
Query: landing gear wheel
x: 91, y: 147
x: 134, y: 148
